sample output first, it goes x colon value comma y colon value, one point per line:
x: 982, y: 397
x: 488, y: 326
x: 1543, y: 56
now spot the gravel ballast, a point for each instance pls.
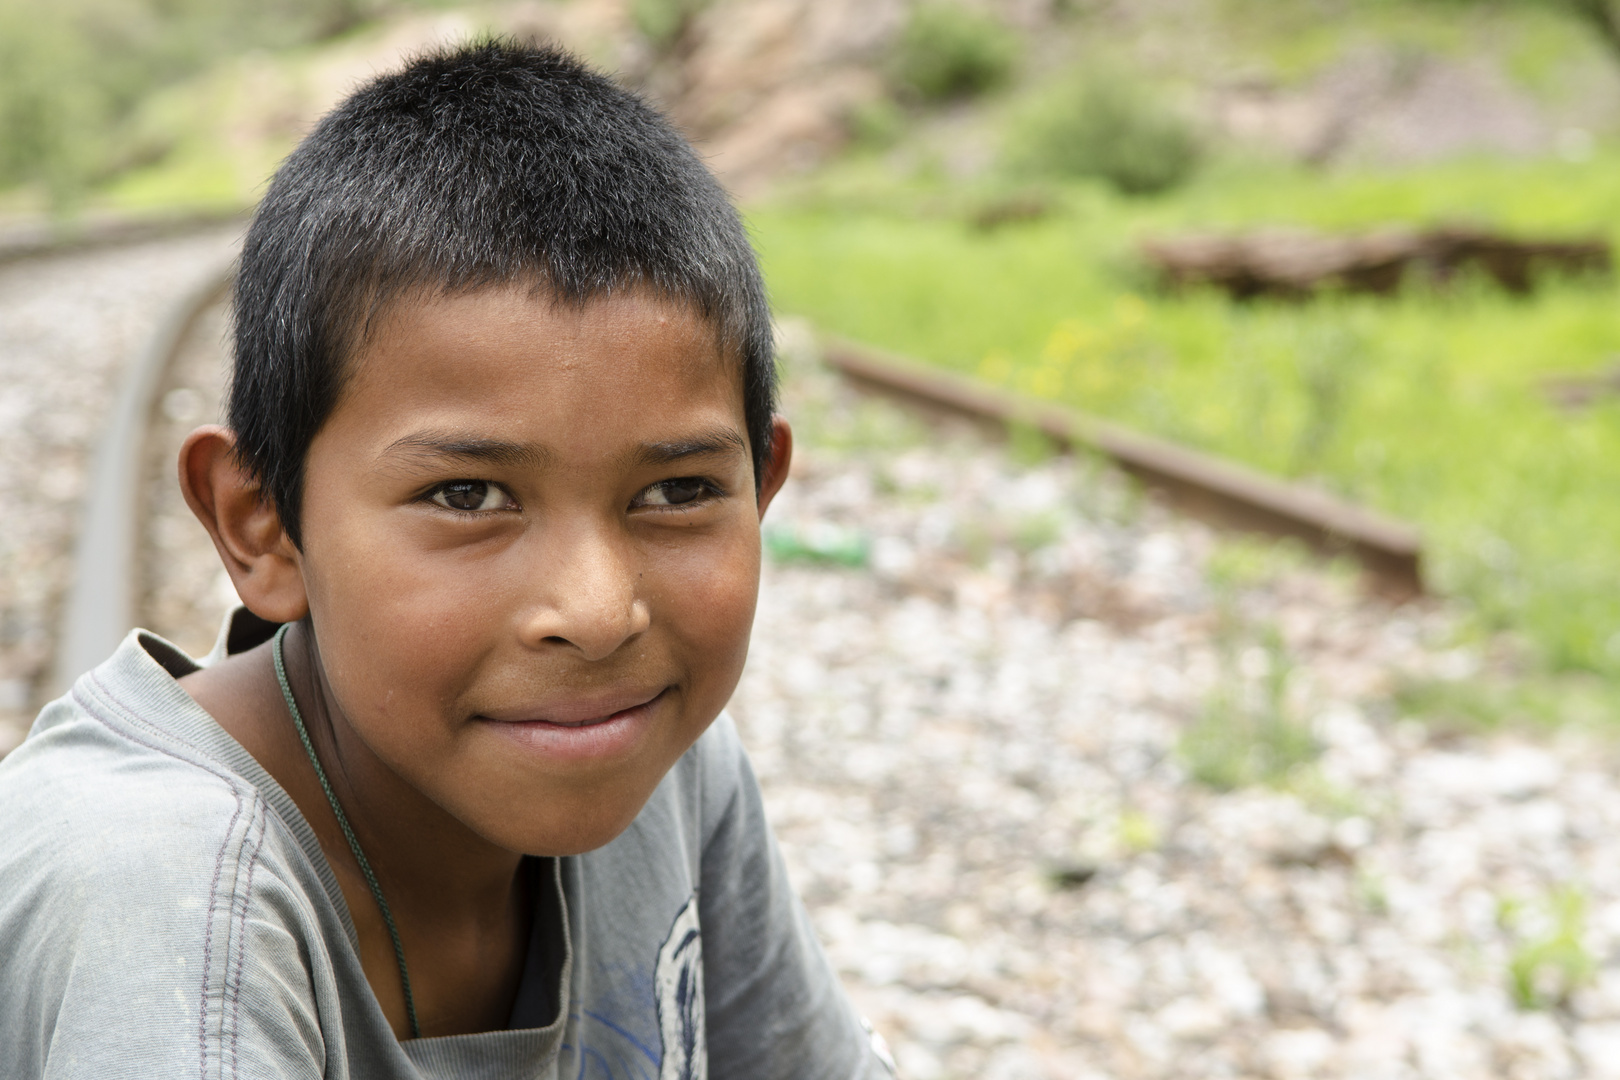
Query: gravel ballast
x: 979, y: 752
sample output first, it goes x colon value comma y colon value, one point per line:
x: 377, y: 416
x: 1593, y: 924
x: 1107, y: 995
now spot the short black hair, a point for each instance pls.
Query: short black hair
x: 489, y: 164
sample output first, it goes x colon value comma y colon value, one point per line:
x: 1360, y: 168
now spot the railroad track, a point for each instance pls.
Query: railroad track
x: 1216, y: 490
x: 49, y: 239
x: 103, y: 602
x: 137, y: 556
x: 72, y: 322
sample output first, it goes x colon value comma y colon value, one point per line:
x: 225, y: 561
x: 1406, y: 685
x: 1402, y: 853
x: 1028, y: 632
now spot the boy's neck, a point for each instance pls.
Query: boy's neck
x: 461, y: 904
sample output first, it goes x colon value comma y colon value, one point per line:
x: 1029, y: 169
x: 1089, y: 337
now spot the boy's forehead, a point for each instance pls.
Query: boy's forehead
x: 530, y: 317
x: 498, y: 356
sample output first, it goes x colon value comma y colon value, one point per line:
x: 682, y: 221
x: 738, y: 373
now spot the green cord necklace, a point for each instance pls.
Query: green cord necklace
x: 343, y: 822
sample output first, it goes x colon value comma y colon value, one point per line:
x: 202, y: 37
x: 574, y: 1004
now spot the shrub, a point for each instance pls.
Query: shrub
x: 876, y: 124
x: 51, y: 119
x: 1106, y: 127
x: 73, y: 71
x: 947, y: 51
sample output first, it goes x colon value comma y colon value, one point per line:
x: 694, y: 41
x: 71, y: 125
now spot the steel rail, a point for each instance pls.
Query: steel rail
x: 101, y: 601
x: 44, y: 239
x: 1212, y: 489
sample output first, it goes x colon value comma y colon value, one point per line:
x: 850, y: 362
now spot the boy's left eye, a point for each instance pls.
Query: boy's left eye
x: 678, y: 492
x: 471, y: 495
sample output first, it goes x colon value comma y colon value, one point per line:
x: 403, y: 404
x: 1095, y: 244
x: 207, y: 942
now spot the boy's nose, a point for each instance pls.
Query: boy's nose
x: 585, y: 595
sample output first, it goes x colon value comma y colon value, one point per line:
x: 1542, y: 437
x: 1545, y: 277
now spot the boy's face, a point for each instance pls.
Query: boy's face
x: 531, y: 554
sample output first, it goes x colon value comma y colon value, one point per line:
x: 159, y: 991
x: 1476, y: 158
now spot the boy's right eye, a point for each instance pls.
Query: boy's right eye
x: 471, y: 495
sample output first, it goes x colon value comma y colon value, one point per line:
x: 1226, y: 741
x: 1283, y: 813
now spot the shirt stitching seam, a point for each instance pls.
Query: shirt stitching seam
x: 241, y: 949
x: 89, y: 706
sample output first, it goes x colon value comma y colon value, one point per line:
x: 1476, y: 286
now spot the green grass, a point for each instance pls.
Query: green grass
x: 1540, y: 41
x: 1249, y: 733
x: 1427, y: 405
x: 1550, y: 960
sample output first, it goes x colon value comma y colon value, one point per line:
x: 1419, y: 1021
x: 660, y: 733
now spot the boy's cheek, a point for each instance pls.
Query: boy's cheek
x: 709, y: 591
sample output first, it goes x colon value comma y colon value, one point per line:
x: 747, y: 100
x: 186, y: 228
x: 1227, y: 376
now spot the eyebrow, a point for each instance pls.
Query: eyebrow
x: 438, y: 444
x: 723, y: 440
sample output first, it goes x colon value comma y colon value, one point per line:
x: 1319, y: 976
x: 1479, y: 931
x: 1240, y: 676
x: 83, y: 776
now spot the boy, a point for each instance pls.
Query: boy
x: 450, y: 799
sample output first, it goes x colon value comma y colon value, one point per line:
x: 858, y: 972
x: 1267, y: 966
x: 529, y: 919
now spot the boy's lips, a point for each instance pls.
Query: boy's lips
x: 577, y: 712
x: 580, y: 729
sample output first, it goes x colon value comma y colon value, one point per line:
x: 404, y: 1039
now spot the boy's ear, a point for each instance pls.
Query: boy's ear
x: 776, y: 467
x: 230, y: 502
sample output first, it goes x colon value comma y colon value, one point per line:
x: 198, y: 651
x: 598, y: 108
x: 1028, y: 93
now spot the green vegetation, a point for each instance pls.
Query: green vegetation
x: 1249, y: 733
x: 948, y: 51
x: 1109, y: 126
x: 1550, y: 960
x: 827, y: 544
x: 1137, y: 833
x: 74, y: 75
x: 1428, y: 405
x: 1600, y: 18
x: 1537, y: 40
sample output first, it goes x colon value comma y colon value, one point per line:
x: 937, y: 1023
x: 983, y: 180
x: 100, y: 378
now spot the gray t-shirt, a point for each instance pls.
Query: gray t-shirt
x: 165, y: 911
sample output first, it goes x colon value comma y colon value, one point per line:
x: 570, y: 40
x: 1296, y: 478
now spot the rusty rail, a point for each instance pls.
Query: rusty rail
x: 1209, y: 488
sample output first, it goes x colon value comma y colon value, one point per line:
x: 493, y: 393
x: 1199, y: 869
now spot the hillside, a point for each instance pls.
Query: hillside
x: 774, y: 88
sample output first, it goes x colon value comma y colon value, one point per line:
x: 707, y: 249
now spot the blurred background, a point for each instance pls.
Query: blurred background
x: 1074, y: 785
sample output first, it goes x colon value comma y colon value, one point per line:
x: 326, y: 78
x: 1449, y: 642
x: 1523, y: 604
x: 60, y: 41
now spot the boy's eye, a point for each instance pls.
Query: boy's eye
x: 676, y: 492
x: 471, y: 495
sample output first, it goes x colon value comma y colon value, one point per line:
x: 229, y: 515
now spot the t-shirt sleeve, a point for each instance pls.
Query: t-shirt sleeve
x: 274, y: 1011
x: 775, y: 1009
x: 155, y: 948
x: 256, y: 1020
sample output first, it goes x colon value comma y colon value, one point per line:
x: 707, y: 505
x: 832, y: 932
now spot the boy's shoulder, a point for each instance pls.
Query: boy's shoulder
x: 145, y: 866
x: 124, y: 783
x: 150, y: 885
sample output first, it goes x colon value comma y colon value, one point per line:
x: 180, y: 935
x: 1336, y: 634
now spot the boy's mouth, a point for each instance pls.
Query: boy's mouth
x: 590, y: 728
x: 585, y: 712
x: 584, y: 731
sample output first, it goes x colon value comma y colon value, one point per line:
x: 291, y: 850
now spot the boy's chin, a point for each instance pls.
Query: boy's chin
x: 566, y: 826
x: 572, y: 842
